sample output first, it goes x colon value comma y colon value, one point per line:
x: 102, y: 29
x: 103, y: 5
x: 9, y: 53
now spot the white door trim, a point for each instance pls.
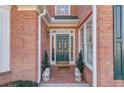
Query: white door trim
x: 53, y: 33
x: 94, y: 9
x: 79, y: 40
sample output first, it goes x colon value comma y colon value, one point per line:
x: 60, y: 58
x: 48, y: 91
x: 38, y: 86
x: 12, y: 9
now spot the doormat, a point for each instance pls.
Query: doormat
x: 66, y: 68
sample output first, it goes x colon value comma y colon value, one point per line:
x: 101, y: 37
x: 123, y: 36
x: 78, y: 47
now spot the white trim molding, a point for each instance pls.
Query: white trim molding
x: 37, y: 8
x: 27, y: 7
x: 71, y: 21
x: 90, y: 66
x: 53, y: 33
x: 79, y: 40
x: 94, y: 9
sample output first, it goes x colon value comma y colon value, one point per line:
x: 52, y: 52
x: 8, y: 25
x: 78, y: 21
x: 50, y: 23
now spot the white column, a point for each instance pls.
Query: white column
x: 55, y: 48
x: 72, y: 35
x: 79, y: 40
x: 70, y: 49
x: 50, y: 47
x: 94, y: 7
x: 54, y: 45
x: 74, y: 47
x: 0, y: 40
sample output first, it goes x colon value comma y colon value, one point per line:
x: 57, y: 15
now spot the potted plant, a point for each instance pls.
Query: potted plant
x: 45, y: 62
x: 79, y: 67
x: 45, y: 67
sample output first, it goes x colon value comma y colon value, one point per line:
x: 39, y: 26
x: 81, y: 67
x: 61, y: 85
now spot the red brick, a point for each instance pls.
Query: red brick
x: 105, y: 64
x: 23, y: 46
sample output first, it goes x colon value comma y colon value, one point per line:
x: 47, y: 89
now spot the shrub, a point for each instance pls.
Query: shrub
x: 45, y: 63
x: 21, y: 83
x: 80, y: 62
x: 25, y: 83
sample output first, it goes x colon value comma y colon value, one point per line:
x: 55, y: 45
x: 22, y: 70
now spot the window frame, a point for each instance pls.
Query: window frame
x: 90, y: 66
x: 84, y: 43
x: 5, y: 39
x: 69, y: 11
x: 88, y: 42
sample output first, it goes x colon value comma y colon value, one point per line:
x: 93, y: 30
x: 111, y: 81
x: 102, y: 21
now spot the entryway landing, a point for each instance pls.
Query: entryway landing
x: 62, y: 74
x: 64, y: 85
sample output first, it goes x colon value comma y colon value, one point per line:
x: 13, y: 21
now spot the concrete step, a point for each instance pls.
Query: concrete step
x: 64, y: 85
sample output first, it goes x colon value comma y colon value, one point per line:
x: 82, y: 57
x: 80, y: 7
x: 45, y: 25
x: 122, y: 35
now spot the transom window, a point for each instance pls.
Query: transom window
x: 62, y: 10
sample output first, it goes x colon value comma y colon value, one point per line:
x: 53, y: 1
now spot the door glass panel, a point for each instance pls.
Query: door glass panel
x: 119, y: 58
x: 62, y: 44
x: 118, y: 15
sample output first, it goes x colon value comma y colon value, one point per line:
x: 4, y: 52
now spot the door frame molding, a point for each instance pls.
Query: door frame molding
x: 53, y: 33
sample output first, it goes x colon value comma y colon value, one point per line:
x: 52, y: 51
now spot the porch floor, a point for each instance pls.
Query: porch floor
x: 62, y: 74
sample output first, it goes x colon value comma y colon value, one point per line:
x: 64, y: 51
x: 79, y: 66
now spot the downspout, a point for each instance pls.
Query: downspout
x: 39, y: 45
x: 94, y: 7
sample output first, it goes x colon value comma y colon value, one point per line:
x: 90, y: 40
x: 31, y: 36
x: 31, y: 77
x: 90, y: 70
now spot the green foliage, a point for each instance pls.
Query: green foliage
x: 45, y: 63
x: 80, y: 62
x: 21, y: 83
x: 26, y: 83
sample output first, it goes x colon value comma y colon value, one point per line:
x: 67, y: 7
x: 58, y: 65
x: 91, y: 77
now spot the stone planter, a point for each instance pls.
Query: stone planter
x: 77, y: 74
x: 46, y: 74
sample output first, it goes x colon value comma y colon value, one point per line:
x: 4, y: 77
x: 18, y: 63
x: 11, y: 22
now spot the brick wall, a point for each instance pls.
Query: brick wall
x: 23, y: 48
x: 74, y: 10
x: 105, y: 64
x: 24, y: 45
x: 83, y: 12
x: 51, y: 9
x: 88, y: 75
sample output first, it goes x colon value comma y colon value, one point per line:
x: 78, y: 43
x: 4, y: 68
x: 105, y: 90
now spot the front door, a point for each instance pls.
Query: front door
x: 62, y: 48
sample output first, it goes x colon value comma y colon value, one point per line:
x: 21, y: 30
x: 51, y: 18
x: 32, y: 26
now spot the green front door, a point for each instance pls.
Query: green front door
x: 62, y: 48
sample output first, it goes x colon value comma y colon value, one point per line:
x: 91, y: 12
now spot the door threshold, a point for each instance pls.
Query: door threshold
x: 63, y: 65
